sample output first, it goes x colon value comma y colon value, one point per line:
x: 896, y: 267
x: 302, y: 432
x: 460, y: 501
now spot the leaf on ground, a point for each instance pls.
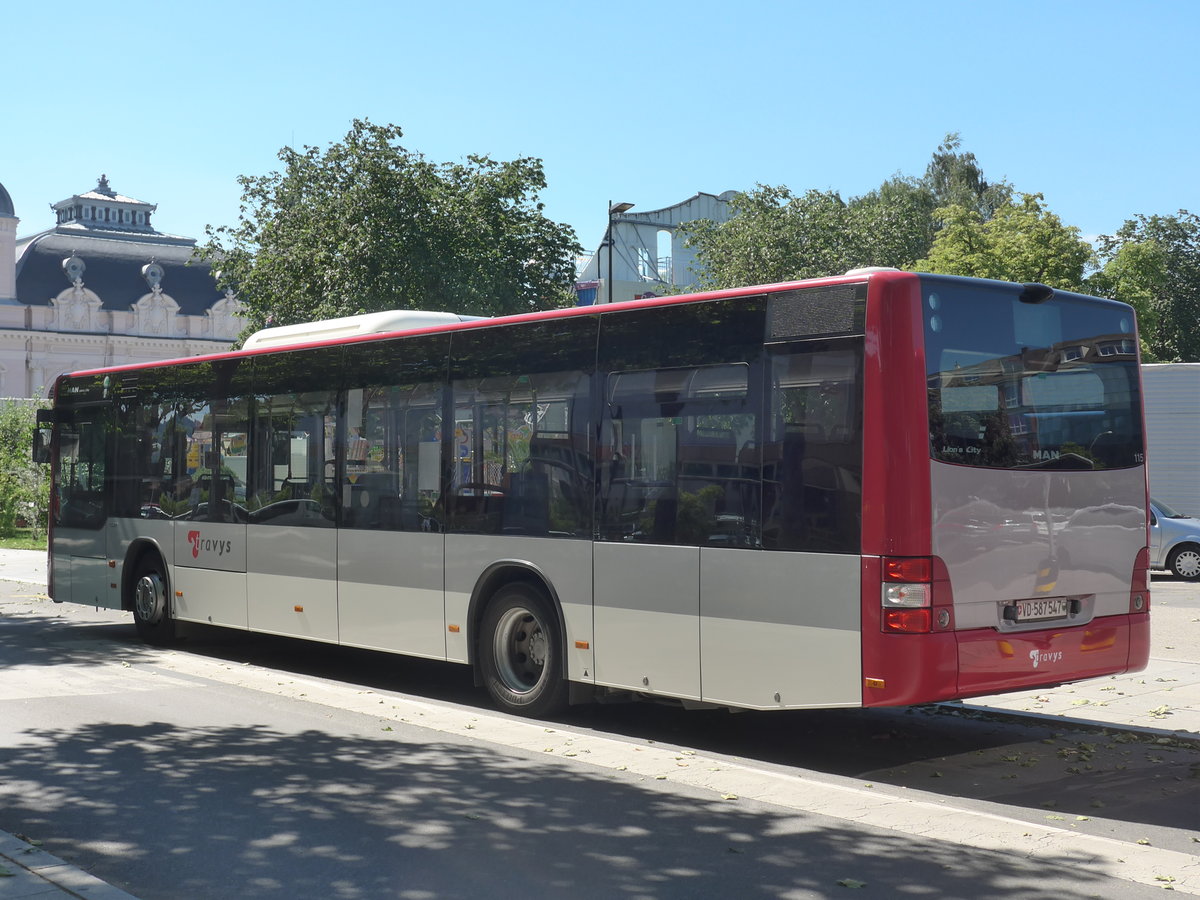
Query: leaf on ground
x: 729, y: 796
x: 851, y: 883
x: 4, y: 873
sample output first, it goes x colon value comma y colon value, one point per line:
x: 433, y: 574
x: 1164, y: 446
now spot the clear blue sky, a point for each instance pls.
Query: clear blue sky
x: 1091, y: 102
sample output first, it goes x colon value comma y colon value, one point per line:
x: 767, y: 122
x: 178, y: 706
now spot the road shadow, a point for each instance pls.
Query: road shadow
x: 253, y: 812
x: 1029, y: 769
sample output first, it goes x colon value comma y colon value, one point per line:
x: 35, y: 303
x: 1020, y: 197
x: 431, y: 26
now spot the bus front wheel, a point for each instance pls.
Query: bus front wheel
x: 151, y: 602
x: 520, y: 653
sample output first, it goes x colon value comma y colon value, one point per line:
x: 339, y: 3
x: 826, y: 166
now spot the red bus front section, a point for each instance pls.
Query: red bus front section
x: 983, y: 579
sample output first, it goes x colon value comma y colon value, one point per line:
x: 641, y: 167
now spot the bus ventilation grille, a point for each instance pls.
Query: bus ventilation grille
x: 817, y: 312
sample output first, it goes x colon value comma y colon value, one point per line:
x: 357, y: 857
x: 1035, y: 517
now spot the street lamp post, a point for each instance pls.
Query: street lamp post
x: 614, y: 209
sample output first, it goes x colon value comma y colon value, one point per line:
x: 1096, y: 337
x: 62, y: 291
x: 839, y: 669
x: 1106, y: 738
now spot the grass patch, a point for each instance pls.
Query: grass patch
x: 22, y: 539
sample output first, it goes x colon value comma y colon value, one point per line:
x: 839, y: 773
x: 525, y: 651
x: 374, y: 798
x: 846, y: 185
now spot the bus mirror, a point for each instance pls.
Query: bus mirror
x: 41, y: 444
x: 46, y: 417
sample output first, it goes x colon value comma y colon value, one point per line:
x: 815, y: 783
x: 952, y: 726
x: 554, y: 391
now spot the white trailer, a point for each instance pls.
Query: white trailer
x: 1172, y: 402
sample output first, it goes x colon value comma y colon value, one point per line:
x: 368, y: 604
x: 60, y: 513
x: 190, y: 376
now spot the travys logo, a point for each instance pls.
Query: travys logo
x: 1044, y: 656
x: 208, y: 545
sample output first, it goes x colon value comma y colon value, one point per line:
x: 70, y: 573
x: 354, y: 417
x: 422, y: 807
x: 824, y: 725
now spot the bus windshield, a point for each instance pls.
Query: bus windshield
x: 1020, y: 385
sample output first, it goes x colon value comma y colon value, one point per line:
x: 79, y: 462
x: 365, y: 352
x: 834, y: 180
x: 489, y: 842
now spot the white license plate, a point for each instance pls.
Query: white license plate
x: 1049, y: 608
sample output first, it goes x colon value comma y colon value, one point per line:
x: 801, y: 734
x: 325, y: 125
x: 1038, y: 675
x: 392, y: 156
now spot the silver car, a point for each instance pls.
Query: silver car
x: 1174, y: 542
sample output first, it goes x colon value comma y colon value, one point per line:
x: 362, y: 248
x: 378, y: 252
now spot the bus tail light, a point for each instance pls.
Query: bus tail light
x: 907, y: 598
x: 1139, y: 594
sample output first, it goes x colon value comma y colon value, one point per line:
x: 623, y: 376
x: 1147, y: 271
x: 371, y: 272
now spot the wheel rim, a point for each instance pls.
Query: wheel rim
x: 150, y: 598
x: 520, y: 650
x: 1187, y: 564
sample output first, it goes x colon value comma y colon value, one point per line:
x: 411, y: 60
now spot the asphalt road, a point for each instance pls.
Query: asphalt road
x: 246, y: 766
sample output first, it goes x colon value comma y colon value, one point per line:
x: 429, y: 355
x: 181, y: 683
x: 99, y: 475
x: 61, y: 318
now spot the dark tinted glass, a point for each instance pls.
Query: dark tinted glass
x: 207, y: 439
x: 288, y: 452
x: 812, y: 455
x: 1017, y: 385
x: 521, y: 442
x: 696, y: 334
x: 681, y: 456
x: 83, y: 441
x: 393, y: 434
x: 144, y: 464
x: 679, y: 445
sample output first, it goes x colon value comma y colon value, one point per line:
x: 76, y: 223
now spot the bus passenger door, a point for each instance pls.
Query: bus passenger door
x: 781, y: 624
x: 647, y: 558
x: 390, y: 546
x: 210, y: 532
x: 81, y: 508
x: 291, y: 572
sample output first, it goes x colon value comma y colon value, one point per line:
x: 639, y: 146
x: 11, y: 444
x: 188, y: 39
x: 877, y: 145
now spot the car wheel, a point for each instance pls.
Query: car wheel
x: 1184, y: 562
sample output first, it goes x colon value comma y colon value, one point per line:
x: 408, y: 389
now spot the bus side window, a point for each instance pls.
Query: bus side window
x: 812, y: 458
x: 83, y: 470
x: 392, y: 440
x: 681, y: 458
x: 520, y: 448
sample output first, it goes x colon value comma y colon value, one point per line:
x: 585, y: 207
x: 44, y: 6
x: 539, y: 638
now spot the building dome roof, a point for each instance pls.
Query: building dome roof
x: 6, y: 204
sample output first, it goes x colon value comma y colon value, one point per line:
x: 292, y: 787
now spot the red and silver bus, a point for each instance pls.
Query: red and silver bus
x: 877, y: 489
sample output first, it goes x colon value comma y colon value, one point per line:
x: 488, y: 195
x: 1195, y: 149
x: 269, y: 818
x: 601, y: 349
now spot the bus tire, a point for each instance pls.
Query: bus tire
x: 520, y: 653
x: 151, y: 601
x: 1184, y: 562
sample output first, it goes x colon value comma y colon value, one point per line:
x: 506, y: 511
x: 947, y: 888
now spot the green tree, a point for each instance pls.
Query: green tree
x: 366, y: 225
x: 1022, y: 241
x: 1153, y: 263
x: 775, y: 235
x: 954, y: 178
x: 24, y: 484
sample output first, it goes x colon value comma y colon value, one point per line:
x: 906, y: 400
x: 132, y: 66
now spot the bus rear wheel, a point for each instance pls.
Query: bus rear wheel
x: 151, y: 602
x: 520, y: 653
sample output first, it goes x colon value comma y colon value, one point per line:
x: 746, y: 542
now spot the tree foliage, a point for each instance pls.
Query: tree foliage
x: 1022, y: 241
x: 778, y: 235
x: 366, y: 225
x: 954, y: 220
x: 954, y: 178
x: 24, y: 484
x: 1153, y: 263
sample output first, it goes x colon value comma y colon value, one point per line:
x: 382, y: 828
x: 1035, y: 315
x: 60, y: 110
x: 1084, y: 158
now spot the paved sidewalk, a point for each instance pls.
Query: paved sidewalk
x: 27, y: 871
x: 1164, y: 699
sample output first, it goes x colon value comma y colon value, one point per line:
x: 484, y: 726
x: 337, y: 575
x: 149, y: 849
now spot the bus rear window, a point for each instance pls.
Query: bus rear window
x: 1015, y: 385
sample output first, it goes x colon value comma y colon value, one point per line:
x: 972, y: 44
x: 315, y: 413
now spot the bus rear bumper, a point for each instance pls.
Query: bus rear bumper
x: 902, y: 670
x: 992, y: 663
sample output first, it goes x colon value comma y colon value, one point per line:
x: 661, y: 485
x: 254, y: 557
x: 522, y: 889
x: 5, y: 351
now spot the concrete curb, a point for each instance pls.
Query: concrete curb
x: 28, y: 871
